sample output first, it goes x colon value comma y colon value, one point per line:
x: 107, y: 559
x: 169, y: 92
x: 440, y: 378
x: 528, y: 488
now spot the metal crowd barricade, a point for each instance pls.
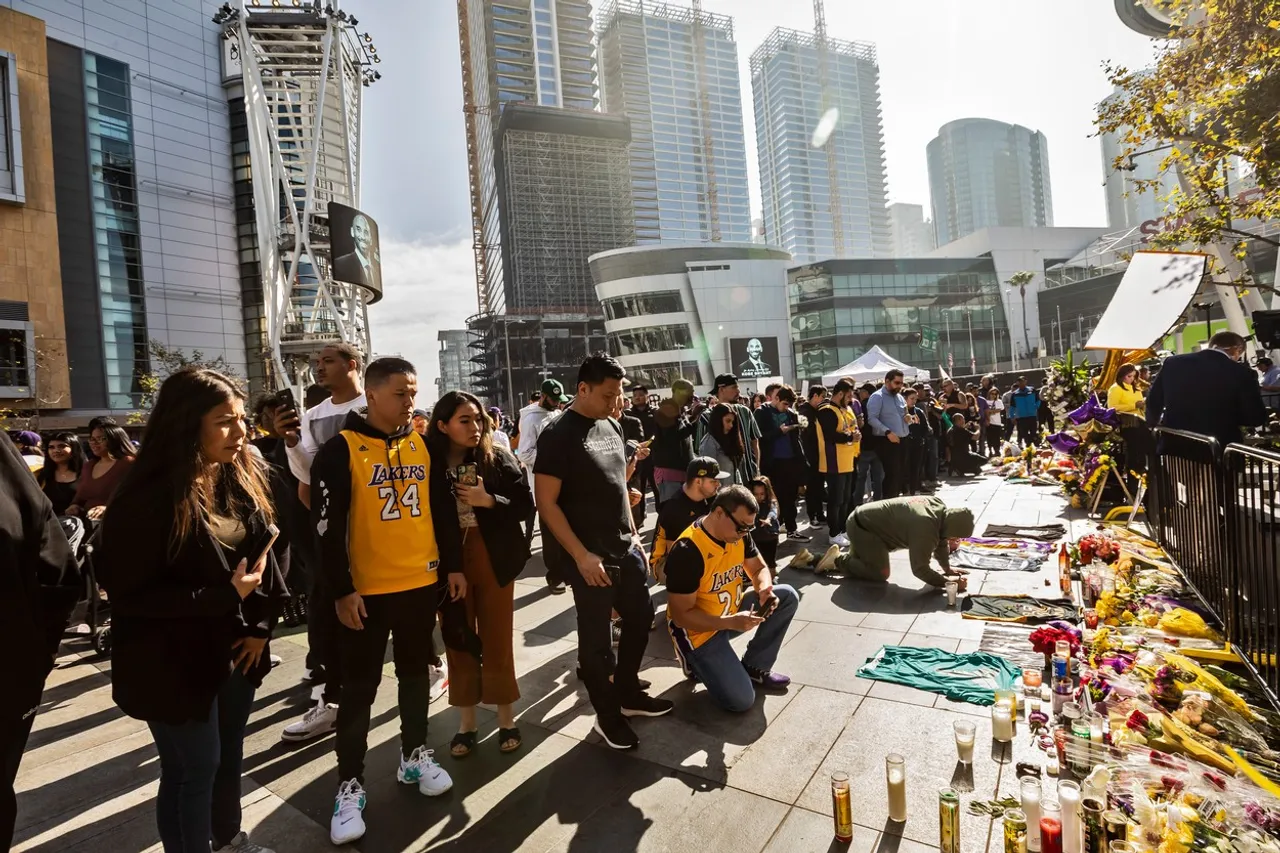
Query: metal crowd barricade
x: 1252, y: 492
x: 1189, y: 516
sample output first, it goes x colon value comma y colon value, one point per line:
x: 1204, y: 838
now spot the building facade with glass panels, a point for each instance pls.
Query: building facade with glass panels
x: 522, y: 51
x: 985, y: 173
x: 790, y: 103
x: 649, y: 72
x: 687, y: 311
x: 841, y: 308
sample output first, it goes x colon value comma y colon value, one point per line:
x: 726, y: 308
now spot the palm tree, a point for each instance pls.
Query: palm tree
x: 1020, y: 280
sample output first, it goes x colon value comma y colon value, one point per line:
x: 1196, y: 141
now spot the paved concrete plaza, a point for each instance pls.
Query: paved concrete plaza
x: 702, y: 780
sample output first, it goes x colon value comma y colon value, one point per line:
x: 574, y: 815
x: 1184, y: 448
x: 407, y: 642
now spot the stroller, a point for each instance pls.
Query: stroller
x: 96, y: 613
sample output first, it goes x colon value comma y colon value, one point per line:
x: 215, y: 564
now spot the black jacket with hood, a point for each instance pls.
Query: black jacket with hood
x: 176, y: 614
x: 39, y: 582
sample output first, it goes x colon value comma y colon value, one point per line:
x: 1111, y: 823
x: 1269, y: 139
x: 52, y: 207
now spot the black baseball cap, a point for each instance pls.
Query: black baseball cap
x: 421, y: 413
x: 724, y: 380
x: 704, y: 466
x: 555, y: 391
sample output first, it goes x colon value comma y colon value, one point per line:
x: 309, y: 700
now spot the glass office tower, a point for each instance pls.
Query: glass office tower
x: 985, y: 173
x: 648, y: 72
x: 794, y: 175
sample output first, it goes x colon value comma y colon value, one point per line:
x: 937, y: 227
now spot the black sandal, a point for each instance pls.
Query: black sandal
x: 463, y: 739
x: 505, y: 735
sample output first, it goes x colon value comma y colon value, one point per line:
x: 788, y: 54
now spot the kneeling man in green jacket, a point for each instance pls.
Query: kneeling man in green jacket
x: 925, y: 526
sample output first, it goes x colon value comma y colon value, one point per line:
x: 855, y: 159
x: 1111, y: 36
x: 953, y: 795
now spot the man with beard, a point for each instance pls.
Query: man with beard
x: 886, y: 421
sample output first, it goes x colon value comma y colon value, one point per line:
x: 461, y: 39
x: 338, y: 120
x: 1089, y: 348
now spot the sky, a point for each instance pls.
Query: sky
x: 1026, y: 62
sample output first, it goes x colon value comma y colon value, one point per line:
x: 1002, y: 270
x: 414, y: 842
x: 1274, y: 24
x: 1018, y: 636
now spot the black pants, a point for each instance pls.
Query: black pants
x: 629, y: 596
x: 1138, y: 444
x: 815, y: 495
x: 967, y: 462
x: 786, y: 476
x: 13, y: 742
x: 915, y: 456
x: 768, y: 551
x: 995, y: 433
x: 530, y: 524
x: 839, y: 501
x: 893, y: 456
x: 1028, y: 431
x: 323, y: 639
x: 408, y: 618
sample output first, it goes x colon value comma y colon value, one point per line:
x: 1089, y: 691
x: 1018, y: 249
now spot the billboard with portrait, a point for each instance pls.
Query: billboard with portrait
x: 753, y: 358
x: 353, y: 246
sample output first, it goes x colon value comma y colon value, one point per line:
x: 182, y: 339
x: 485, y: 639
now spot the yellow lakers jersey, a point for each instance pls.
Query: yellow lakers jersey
x: 846, y: 454
x: 391, y: 541
x: 724, y: 581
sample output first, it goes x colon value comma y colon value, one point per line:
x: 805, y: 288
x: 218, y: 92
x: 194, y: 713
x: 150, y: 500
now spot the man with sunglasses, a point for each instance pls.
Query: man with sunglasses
x: 707, y: 571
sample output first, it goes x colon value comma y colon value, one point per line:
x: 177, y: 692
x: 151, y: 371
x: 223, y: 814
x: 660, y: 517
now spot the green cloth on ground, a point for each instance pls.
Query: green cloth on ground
x: 920, y: 524
x: 1018, y: 608
x: 971, y: 677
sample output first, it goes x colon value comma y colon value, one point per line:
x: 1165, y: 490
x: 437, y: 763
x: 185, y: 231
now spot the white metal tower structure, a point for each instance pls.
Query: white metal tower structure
x: 303, y: 66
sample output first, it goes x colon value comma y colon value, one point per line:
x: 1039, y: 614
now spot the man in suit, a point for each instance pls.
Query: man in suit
x: 753, y: 367
x: 362, y: 266
x: 1209, y: 392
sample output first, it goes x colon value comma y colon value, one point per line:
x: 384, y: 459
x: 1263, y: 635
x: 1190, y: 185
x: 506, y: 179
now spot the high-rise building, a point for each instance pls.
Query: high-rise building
x: 515, y: 51
x: 1127, y: 205
x: 675, y: 76
x: 790, y: 102
x: 985, y: 173
x: 912, y: 233
x: 455, y: 361
x: 564, y: 193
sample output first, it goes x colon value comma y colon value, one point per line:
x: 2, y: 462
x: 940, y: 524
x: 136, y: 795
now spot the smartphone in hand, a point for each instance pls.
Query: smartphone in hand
x: 263, y: 545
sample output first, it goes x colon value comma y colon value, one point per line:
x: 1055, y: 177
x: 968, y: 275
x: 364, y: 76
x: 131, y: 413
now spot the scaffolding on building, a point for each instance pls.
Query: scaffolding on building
x: 668, y: 12
x: 782, y: 40
x: 303, y: 69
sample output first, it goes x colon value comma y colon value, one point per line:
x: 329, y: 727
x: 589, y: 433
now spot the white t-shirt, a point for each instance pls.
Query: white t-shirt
x: 994, y: 408
x: 321, y: 423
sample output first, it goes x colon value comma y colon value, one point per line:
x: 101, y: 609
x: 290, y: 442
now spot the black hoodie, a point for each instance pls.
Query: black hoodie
x: 39, y: 581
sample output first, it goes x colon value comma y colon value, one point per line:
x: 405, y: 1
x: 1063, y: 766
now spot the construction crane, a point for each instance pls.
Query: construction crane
x: 704, y: 111
x: 834, y: 207
x: 469, y: 112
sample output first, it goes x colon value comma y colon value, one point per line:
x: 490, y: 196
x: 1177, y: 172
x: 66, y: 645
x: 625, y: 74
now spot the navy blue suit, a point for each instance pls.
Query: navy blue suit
x: 1208, y: 393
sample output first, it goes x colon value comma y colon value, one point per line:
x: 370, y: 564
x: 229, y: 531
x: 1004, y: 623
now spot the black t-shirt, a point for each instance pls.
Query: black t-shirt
x: 685, y: 567
x: 679, y: 512
x: 588, y: 456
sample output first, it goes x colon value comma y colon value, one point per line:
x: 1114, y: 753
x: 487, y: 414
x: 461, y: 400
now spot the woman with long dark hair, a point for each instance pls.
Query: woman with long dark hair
x: 723, y: 442
x: 493, y: 499
x: 113, y: 454
x: 194, y: 594
x: 61, y: 473
x: 1125, y: 397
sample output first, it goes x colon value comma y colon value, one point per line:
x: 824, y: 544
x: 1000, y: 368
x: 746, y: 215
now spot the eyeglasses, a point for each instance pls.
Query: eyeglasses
x: 740, y: 527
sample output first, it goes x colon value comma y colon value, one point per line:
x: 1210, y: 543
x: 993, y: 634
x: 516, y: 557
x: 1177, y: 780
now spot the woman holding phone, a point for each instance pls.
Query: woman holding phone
x: 493, y: 500
x: 186, y: 558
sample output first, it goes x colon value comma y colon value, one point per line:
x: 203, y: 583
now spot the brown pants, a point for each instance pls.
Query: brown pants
x: 490, y: 612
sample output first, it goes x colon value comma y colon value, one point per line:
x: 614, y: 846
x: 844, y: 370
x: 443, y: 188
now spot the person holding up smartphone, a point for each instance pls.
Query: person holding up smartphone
x: 491, y: 500
x: 708, y: 569
x: 195, y: 590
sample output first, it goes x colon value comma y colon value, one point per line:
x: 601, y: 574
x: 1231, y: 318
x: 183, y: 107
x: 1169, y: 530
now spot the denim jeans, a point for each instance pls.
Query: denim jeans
x: 869, y: 468
x: 200, y: 762
x: 716, y: 664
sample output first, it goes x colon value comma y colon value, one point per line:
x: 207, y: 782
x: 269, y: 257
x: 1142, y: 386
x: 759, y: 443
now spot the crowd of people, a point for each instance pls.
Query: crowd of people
x: 373, y: 521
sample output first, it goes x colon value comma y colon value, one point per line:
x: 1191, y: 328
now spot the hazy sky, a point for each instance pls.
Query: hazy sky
x: 1028, y: 62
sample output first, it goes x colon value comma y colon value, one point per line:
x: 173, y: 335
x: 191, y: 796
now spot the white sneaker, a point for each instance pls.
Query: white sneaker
x: 242, y: 844
x: 320, y: 720
x: 439, y: 681
x: 347, y: 823
x: 841, y: 540
x: 422, y: 769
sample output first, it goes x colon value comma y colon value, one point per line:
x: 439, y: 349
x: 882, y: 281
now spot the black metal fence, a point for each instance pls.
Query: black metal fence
x: 1217, y: 514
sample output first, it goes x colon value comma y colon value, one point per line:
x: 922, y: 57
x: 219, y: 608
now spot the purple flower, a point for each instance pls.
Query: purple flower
x: 1064, y: 443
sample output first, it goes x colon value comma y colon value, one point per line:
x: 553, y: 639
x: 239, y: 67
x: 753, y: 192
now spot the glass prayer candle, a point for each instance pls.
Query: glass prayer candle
x: 895, y: 772
x: 1091, y: 824
x: 1069, y: 797
x: 1015, y: 831
x: 1050, y: 835
x: 965, y: 732
x: 1030, y: 790
x: 1002, y: 722
x: 842, y: 807
x: 1032, y: 679
x: 949, y: 821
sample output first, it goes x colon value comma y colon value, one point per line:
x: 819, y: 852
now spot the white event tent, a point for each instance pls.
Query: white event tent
x: 872, y: 365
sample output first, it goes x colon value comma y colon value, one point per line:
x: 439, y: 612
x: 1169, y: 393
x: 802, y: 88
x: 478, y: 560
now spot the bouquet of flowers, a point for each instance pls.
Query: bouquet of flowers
x: 1097, y: 546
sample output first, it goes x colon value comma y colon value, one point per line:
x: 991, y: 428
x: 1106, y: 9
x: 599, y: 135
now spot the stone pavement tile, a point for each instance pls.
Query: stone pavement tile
x: 79, y: 723
x: 818, y: 598
x: 910, y: 695
x: 123, y: 823
x: 681, y: 814
x: 925, y: 737
x: 536, y: 609
x: 273, y: 823
x: 828, y: 656
x: 947, y: 623
x: 52, y: 792
x: 804, y: 831
x: 780, y: 763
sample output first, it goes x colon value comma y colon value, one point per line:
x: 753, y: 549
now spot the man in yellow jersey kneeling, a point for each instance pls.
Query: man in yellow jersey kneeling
x: 381, y: 555
x: 708, y: 569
